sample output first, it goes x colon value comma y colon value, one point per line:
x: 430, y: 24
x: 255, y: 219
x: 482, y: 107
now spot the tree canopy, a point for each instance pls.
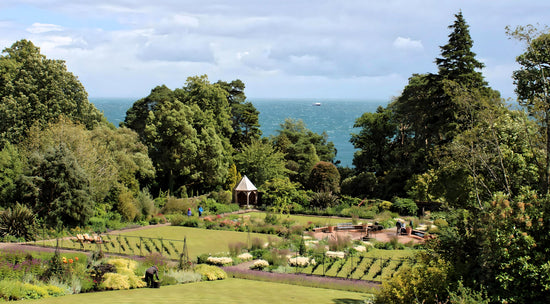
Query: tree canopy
x: 36, y: 90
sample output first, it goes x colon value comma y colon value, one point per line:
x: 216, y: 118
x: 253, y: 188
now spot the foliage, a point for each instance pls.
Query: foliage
x: 281, y: 188
x: 404, y: 206
x: 56, y: 188
x: 322, y: 200
x: 302, y: 148
x: 18, y: 221
x: 11, y: 166
x: 210, y: 273
x: 425, y: 282
x: 35, y: 91
x: 532, y: 85
x: 324, y: 177
x: 187, y: 132
x: 261, y: 162
x: 402, y: 141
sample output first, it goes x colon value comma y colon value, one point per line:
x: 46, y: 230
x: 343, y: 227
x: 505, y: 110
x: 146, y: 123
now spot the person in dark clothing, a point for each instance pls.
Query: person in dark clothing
x: 149, y: 273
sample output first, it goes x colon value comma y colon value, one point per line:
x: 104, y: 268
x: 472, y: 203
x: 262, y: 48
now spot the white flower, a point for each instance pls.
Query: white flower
x: 360, y: 248
x: 335, y: 254
x: 219, y: 260
x: 245, y: 256
x: 259, y: 264
x: 298, y: 261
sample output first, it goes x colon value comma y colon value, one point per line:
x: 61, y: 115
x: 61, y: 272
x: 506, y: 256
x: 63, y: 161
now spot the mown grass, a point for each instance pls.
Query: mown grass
x: 225, y: 291
x: 199, y: 241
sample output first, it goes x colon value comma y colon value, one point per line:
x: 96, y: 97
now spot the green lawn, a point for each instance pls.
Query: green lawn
x: 199, y: 241
x: 225, y: 291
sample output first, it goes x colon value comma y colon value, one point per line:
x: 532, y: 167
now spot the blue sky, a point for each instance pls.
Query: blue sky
x: 358, y: 49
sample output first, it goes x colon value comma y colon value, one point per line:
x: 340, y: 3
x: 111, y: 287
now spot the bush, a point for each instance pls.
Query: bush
x: 182, y: 277
x: 176, y: 205
x: 98, y: 224
x: 210, y: 273
x: 404, y: 206
x: 177, y: 219
x: 259, y: 265
x: 19, y: 222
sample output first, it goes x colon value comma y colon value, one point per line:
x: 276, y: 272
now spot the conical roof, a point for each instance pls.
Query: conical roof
x: 245, y: 185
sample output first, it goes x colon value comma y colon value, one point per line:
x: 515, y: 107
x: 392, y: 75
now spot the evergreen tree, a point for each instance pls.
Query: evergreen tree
x: 458, y: 62
x: 56, y: 188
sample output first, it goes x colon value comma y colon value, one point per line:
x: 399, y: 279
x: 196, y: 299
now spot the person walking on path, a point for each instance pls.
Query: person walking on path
x: 149, y: 273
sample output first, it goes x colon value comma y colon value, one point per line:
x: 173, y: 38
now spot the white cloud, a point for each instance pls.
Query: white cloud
x: 407, y: 43
x: 39, y: 28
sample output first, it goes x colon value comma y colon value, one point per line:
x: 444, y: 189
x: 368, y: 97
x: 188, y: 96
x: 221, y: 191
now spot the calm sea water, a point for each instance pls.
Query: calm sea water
x: 334, y: 116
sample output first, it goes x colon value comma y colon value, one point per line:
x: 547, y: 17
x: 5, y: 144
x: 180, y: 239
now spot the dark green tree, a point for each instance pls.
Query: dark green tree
x: 36, y: 90
x: 245, y: 117
x: 458, y: 62
x: 56, y: 188
x: 405, y: 139
x: 11, y: 166
x: 303, y: 148
x: 187, y: 134
x: 324, y: 177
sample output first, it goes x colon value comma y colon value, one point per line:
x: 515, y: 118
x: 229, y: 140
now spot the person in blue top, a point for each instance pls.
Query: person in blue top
x: 200, y: 210
x: 189, y: 213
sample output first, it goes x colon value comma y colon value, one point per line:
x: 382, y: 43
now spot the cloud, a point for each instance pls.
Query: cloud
x: 407, y: 44
x: 39, y: 28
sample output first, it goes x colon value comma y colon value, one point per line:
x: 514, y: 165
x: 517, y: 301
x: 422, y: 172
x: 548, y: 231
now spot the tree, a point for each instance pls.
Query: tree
x: 11, y: 166
x: 533, y: 83
x: 324, y: 177
x: 458, y: 62
x: 56, y: 188
x: 403, y: 140
x: 303, y: 148
x: 245, y: 117
x: 187, y: 133
x: 35, y: 90
x: 261, y: 162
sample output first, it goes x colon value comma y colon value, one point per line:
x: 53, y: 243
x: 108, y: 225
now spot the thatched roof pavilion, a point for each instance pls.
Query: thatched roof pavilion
x: 245, y: 191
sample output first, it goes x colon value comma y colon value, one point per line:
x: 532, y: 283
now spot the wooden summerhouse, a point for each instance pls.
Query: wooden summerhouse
x: 246, y: 192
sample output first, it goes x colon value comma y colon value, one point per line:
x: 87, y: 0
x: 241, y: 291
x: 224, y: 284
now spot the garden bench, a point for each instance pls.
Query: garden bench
x: 346, y: 226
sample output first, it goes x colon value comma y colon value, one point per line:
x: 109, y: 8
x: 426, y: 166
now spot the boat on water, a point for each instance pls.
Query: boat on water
x: 317, y: 104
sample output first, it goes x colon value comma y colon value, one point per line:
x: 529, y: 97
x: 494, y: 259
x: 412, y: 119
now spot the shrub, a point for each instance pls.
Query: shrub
x: 259, y: 265
x: 191, y: 222
x: 221, y: 261
x: 245, y: 256
x: 339, y: 243
x: 182, y: 277
x: 98, y: 224
x: 210, y: 273
x: 115, y: 281
x: 177, y: 219
x: 385, y: 205
x: 176, y: 205
x: 404, y: 206
x: 19, y: 222
x: 236, y: 248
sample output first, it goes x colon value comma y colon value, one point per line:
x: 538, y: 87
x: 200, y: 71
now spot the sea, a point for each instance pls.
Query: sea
x: 336, y: 117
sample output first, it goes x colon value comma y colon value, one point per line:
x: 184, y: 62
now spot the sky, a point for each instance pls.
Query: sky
x: 354, y: 49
